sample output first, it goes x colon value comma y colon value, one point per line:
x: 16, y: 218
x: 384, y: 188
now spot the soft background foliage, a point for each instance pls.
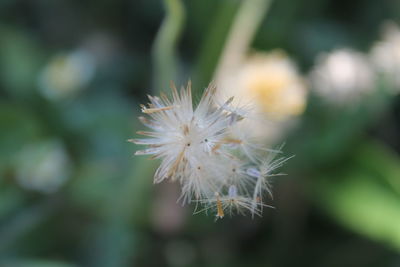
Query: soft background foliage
x: 72, y: 75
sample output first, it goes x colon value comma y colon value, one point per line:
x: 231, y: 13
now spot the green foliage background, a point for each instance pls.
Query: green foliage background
x: 339, y: 205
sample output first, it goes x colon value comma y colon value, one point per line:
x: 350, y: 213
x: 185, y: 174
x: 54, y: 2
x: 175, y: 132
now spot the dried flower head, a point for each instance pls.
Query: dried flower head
x: 196, y: 149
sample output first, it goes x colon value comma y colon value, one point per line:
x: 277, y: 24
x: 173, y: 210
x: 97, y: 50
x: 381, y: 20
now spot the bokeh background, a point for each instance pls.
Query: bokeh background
x: 72, y: 76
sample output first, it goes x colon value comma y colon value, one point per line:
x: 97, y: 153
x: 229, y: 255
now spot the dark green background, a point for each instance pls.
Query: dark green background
x: 339, y: 205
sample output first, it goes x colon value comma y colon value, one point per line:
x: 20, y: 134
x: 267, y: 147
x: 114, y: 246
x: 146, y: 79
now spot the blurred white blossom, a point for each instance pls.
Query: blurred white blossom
x: 385, y: 55
x: 66, y: 74
x: 269, y: 86
x: 342, y: 76
x: 43, y: 166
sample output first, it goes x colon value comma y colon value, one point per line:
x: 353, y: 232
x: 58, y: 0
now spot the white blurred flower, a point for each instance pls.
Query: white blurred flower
x: 342, y: 76
x: 43, y: 166
x: 196, y: 149
x: 66, y: 74
x: 269, y: 85
x: 385, y: 55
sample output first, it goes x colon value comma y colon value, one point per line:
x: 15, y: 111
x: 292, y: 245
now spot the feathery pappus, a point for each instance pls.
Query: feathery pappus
x: 197, y: 149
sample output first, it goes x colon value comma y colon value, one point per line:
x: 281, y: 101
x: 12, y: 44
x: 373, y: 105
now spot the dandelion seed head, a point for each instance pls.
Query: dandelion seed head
x: 197, y: 149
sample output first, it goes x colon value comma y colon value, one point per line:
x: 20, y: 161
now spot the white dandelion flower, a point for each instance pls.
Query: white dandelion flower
x: 185, y: 138
x: 196, y: 149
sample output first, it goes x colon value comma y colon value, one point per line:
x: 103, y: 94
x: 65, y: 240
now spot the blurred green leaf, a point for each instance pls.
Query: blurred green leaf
x: 20, y: 60
x: 381, y: 162
x: 18, y: 128
x: 24, y: 221
x: 358, y: 197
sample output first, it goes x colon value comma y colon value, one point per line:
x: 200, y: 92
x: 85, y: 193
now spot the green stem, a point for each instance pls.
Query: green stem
x: 164, y: 48
x: 213, y: 44
x: 245, y: 25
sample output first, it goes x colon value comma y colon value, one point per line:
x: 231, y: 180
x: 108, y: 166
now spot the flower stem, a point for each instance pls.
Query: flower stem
x: 164, y: 48
x: 245, y: 25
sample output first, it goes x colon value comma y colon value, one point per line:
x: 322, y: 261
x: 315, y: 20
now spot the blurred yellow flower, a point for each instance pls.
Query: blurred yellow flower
x: 271, y: 81
x: 272, y: 91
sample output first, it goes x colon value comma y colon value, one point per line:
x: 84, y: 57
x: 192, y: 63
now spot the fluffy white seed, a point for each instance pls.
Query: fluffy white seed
x: 197, y: 150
